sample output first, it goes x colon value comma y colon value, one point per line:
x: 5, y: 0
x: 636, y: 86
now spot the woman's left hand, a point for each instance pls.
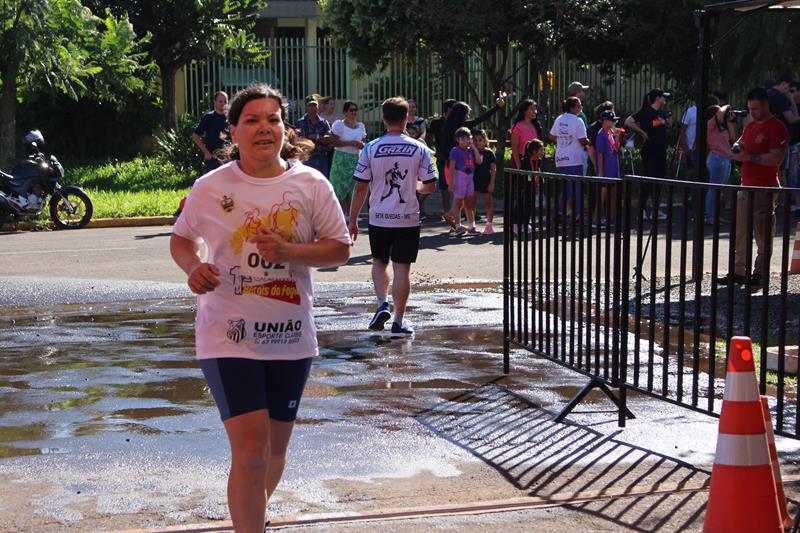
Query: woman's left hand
x: 272, y: 246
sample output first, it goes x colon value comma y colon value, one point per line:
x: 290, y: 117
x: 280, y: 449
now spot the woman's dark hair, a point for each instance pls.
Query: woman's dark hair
x: 347, y: 104
x: 522, y: 108
x: 456, y: 119
x: 447, y: 106
x: 608, y: 105
x: 294, y: 147
x: 570, y: 103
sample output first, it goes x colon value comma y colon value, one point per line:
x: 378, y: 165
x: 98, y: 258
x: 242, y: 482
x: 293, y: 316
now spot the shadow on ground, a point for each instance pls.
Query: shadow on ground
x: 518, y: 438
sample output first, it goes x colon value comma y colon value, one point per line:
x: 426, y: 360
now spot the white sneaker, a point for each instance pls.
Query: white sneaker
x: 487, y: 229
x: 662, y: 215
x: 460, y: 230
x: 472, y: 230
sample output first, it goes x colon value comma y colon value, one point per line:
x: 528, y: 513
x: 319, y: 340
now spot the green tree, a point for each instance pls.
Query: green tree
x: 60, y: 46
x: 183, y: 31
x: 455, y: 31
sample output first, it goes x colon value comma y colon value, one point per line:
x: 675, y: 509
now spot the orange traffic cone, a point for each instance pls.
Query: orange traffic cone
x: 742, y: 496
x: 795, y: 266
x: 776, y: 467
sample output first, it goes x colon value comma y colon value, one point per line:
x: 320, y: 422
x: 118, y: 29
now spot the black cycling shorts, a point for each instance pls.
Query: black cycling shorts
x: 241, y: 386
x: 399, y: 244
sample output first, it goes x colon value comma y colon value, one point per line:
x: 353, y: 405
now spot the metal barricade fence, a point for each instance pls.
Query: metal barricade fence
x: 636, y: 302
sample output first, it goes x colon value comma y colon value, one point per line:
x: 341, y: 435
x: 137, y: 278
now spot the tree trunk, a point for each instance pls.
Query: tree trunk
x: 169, y: 113
x: 8, y: 101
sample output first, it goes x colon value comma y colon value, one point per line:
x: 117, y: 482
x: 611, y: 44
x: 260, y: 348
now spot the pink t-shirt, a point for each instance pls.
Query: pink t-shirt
x: 526, y: 133
x: 718, y: 140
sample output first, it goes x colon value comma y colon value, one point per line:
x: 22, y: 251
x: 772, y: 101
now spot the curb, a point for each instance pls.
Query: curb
x: 97, y: 223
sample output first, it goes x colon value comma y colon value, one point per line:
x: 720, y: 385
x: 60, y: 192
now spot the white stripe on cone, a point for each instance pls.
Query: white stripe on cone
x: 741, y: 387
x: 742, y: 450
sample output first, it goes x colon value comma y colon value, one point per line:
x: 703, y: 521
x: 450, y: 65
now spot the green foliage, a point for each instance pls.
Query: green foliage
x: 152, y: 203
x: 182, y: 31
x: 177, y: 146
x: 139, y: 174
x: 60, y: 47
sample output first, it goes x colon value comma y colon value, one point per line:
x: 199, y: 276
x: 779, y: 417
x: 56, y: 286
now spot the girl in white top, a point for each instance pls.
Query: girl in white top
x: 350, y: 136
x: 265, y: 219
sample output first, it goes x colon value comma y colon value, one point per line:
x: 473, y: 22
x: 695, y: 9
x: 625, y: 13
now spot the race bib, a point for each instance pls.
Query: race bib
x: 258, y: 268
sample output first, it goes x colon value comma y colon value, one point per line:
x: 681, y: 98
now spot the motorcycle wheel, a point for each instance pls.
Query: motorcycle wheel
x: 72, y: 209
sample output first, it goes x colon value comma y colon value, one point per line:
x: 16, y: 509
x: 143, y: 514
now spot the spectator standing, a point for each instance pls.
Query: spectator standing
x: 392, y: 169
x: 651, y: 124
x: 442, y: 149
x: 526, y: 127
x: 578, y: 90
x: 595, y: 127
x: 761, y: 149
x: 569, y: 134
x: 721, y: 134
x: 461, y: 162
x: 327, y: 109
x: 416, y: 125
x: 349, y: 137
x: 607, y: 153
x: 316, y: 129
x: 780, y: 105
x: 793, y: 161
x: 265, y: 220
x: 211, y: 132
x: 485, y: 174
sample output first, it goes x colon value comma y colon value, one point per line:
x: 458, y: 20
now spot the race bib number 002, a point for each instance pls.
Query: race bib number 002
x: 256, y: 267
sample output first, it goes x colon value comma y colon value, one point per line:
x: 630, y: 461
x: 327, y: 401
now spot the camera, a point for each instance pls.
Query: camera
x: 736, y: 148
x: 738, y: 112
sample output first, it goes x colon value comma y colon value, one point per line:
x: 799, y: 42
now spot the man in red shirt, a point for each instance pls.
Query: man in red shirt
x: 761, y: 149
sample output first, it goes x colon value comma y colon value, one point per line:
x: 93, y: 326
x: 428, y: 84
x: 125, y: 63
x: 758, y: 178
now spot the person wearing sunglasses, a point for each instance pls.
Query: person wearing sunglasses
x: 348, y: 142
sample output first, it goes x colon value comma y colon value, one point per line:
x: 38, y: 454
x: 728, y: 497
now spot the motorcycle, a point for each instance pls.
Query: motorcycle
x: 24, y: 192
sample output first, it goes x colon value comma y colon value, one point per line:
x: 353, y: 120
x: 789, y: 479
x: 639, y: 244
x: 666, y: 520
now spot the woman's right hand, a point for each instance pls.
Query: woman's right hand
x: 204, y: 278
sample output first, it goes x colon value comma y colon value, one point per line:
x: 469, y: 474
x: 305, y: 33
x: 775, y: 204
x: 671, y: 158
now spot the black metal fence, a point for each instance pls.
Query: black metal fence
x: 637, y: 300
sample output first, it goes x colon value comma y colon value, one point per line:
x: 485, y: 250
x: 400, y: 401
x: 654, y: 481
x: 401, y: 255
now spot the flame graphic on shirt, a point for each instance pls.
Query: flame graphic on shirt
x: 281, y: 219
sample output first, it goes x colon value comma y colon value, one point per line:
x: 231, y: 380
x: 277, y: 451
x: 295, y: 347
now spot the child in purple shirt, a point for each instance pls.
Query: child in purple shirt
x: 461, y: 164
x: 607, y: 164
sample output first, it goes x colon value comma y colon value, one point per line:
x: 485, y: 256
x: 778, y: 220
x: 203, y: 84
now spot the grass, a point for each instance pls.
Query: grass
x: 772, y: 375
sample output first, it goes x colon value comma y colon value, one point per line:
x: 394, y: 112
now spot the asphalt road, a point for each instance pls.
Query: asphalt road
x: 142, y: 253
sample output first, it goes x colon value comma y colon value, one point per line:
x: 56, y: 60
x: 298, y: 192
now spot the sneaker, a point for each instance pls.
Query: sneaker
x: 381, y: 316
x: 732, y: 279
x: 460, y: 230
x: 662, y: 215
x: 487, y: 229
x: 398, y: 331
x: 472, y: 230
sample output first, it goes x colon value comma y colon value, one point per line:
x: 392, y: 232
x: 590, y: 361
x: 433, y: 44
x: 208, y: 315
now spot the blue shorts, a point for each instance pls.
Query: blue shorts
x: 241, y: 386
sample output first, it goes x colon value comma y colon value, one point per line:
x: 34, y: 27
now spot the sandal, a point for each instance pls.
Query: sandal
x: 450, y: 220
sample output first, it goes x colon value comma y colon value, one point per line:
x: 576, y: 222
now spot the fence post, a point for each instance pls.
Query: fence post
x: 506, y: 251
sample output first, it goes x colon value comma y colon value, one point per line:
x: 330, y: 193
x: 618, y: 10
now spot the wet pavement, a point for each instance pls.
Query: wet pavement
x: 106, y: 423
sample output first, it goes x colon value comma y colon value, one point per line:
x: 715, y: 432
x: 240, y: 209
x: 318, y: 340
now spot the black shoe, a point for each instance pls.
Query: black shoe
x: 732, y: 279
x: 756, y: 279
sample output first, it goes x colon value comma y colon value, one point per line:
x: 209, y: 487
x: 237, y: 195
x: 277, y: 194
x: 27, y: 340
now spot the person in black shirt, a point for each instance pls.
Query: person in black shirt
x: 214, y: 127
x: 651, y: 124
x: 437, y: 131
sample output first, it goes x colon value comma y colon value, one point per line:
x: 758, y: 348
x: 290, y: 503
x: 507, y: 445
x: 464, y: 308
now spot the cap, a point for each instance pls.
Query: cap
x: 311, y: 99
x: 608, y: 115
x: 576, y: 86
x: 658, y: 92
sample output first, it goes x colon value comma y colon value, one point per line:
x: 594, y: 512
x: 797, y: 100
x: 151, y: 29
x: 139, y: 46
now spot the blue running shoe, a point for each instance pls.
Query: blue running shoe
x: 398, y: 331
x: 381, y: 316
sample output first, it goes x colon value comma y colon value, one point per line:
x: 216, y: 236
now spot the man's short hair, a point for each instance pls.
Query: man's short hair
x: 784, y: 78
x: 570, y: 103
x: 395, y: 110
x: 758, y: 93
x: 219, y: 93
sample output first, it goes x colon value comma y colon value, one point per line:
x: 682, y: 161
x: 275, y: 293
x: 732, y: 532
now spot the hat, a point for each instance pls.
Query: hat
x: 658, y: 92
x: 576, y: 86
x: 311, y: 99
x: 608, y: 115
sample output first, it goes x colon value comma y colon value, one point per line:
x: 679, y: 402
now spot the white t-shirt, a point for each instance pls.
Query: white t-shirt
x: 690, y: 121
x: 569, y: 129
x: 346, y: 133
x: 259, y: 310
x: 392, y: 165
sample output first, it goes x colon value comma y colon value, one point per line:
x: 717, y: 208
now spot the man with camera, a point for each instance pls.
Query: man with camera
x: 761, y: 150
